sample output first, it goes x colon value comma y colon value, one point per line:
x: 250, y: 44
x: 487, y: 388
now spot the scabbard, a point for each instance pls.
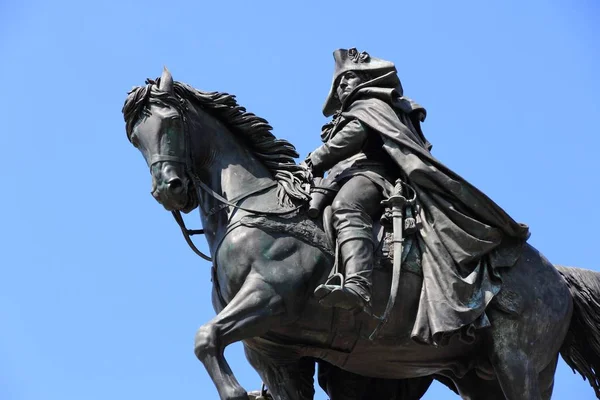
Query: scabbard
x: 398, y: 224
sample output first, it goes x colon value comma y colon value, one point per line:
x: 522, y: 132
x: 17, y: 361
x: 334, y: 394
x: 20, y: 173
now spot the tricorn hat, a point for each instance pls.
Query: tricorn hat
x: 382, y: 73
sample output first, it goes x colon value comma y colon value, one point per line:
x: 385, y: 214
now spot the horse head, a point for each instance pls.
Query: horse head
x: 188, y: 136
x: 157, y: 126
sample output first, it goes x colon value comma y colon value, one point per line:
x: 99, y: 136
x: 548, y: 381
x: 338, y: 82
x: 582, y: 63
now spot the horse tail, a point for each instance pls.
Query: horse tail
x: 581, y: 348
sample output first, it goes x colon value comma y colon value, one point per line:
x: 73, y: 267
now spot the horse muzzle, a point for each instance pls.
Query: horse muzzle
x: 172, y: 188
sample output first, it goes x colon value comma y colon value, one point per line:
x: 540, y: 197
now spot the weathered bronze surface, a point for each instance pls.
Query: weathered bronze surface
x: 477, y: 307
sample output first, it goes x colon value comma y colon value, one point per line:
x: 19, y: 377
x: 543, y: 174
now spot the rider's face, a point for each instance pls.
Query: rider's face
x: 348, y: 82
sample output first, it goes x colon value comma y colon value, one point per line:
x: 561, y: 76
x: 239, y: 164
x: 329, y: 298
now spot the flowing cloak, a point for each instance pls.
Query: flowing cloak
x: 465, y: 238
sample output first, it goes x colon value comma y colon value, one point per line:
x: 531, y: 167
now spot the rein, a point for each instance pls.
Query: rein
x: 188, y: 162
x: 233, y: 204
x: 187, y: 233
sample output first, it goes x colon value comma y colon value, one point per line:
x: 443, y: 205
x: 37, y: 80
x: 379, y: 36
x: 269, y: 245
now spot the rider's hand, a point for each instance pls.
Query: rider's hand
x: 308, y: 169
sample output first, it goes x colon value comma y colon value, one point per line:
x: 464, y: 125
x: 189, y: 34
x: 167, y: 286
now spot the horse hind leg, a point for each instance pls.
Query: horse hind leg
x: 472, y: 387
x: 523, y: 363
x: 537, y: 386
x: 523, y: 345
x: 248, y: 315
x: 517, y: 377
x: 340, y: 384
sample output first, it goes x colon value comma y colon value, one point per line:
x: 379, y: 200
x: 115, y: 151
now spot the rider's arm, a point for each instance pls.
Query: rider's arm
x: 344, y: 144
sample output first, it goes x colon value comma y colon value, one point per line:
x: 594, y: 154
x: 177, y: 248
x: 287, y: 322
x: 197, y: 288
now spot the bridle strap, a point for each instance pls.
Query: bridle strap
x: 177, y: 214
x: 189, y: 232
x: 165, y: 157
x: 224, y: 201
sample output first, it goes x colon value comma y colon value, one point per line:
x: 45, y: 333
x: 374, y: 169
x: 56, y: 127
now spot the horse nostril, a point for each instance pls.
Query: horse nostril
x: 175, y: 185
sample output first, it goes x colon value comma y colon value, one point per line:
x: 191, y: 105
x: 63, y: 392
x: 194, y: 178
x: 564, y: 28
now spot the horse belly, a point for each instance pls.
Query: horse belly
x: 342, y: 338
x: 394, y: 354
x: 410, y: 359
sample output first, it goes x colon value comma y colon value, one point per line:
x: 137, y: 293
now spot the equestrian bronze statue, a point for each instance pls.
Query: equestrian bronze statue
x: 371, y: 258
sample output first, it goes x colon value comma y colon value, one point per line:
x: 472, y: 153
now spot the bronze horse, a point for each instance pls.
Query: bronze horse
x: 205, y: 151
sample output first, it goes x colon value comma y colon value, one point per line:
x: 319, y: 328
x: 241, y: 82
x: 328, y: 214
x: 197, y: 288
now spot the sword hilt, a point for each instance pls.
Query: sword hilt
x: 396, y: 201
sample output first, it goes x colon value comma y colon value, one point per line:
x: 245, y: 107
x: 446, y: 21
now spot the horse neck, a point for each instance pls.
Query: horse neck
x: 224, y: 164
x: 222, y: 161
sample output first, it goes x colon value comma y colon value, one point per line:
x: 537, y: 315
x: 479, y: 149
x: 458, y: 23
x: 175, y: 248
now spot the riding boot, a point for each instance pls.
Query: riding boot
x: 355, y: 292
x: 357, y: 257
x: 356, y: 260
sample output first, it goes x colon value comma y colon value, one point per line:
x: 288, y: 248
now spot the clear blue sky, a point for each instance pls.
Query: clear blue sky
x: 100, y: 296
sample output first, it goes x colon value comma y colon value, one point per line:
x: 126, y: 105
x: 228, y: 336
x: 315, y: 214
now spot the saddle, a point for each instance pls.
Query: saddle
x: 320, y: 233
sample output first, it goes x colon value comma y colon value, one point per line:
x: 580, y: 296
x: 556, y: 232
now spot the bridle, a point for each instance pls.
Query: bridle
x: 188, y: 162
x: 187, y: 233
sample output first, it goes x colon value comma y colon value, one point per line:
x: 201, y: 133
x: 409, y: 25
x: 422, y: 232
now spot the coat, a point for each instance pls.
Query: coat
x: 465, y: 238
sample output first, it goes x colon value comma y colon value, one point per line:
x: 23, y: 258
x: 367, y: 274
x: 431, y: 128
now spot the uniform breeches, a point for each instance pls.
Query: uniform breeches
x: 354, y: 207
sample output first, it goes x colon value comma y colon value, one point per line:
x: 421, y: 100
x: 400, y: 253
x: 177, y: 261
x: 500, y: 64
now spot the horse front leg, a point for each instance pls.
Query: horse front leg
x: 249, y: 314
x: 291, y: 379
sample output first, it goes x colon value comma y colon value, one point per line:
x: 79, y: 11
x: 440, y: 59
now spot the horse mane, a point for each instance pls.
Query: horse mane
x: 276, y: 154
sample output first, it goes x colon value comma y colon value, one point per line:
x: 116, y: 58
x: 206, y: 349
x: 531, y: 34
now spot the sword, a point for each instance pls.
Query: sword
x: 396, y: 202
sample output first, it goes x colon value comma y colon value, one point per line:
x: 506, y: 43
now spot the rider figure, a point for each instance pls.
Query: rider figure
x: 375, y: 137
x: 358, y: 163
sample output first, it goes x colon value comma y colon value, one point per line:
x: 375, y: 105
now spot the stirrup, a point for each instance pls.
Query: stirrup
x: 344, y: 298
x: 325, y: 289
x: 337, y: 296
x: 339, y: 276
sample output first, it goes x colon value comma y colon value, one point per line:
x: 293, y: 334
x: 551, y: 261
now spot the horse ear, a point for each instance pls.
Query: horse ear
x: 166, y: 81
